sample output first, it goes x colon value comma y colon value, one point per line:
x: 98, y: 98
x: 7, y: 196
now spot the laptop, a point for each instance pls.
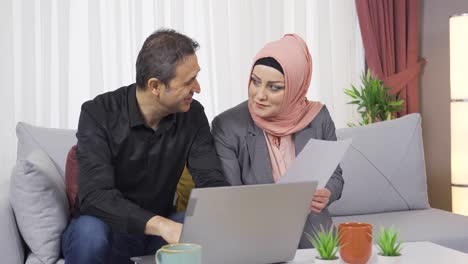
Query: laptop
x: 249, y: 223
x: 246, y: 224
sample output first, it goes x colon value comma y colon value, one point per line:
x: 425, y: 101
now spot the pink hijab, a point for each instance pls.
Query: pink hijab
x: 296, y: 111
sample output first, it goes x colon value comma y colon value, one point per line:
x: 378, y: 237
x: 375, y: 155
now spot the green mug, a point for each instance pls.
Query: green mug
x: 179, y: 254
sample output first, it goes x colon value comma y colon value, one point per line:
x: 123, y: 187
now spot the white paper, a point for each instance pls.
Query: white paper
x: 316, y: 162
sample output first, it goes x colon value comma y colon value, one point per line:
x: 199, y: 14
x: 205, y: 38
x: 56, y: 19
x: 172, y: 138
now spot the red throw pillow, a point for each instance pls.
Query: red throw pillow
x: 71, y: 178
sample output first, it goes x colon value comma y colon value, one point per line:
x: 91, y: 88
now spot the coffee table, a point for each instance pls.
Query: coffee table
x: 412, y: 252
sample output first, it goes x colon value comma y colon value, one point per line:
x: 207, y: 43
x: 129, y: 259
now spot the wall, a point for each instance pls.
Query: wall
x: 435, y: 95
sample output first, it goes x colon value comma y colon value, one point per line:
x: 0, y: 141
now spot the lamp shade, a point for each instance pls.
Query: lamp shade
x: 459, y: 111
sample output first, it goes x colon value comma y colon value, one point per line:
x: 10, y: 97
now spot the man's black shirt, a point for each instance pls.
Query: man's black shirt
x: 128, y: 172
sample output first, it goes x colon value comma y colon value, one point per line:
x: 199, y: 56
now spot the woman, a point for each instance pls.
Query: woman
x: 258, y: 139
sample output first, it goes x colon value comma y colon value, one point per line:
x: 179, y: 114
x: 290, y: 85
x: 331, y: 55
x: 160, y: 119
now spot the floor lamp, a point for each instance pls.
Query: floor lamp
x: 459, y: 111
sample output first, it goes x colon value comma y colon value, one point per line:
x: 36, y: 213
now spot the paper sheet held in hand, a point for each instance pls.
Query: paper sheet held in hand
x: 316, y: 162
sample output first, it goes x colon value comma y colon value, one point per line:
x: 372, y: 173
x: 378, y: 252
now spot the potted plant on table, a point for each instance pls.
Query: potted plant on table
x: 389, y: 246
x: 327, y: 245
x: 373, y: 100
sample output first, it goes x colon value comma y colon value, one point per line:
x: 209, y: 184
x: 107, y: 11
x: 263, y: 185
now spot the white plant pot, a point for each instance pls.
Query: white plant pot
x: 388, y: 260
x: 326, y: 261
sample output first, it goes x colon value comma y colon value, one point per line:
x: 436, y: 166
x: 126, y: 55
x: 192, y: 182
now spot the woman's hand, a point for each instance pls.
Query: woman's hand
x: 320, y: 200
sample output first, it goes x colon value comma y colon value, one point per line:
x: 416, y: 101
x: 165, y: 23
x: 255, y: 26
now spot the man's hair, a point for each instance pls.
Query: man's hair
x: 161, y: 53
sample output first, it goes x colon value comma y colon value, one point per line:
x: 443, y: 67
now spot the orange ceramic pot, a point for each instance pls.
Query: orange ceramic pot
x: 355, y: 242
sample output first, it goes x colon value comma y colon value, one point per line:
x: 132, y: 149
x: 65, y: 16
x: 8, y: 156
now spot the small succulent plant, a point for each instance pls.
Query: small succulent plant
x: 387, y: 242
x: 325, y: 242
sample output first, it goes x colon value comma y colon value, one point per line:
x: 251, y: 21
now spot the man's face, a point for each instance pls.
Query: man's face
x: 177, y: 95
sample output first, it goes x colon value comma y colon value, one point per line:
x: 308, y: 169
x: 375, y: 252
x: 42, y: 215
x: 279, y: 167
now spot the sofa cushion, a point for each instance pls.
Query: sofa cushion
x: 384, y: 168
x: 184, y: 187
x: 40, y: 205
x: 71, y: 177
x: 54, y: 142
x: 11, y: 247
x: 434, y: 225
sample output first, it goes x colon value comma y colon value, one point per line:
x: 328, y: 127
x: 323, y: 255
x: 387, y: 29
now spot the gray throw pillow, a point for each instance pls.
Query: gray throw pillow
x: 40, y: 205
x: 384, y: 168
x: 54, y: 142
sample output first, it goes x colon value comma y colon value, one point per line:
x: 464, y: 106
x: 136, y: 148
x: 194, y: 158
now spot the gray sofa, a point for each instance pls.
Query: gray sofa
x: 37, y: 193
x: 385, y: 185
x: 384, y: 172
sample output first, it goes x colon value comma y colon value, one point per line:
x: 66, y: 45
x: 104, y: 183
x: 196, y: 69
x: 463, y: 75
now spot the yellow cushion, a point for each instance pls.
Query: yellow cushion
x: 184, y: 187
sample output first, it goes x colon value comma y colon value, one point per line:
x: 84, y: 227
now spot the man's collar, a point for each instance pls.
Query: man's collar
x: 168, y: 121
x: 133, y: 109
x: 135, y: 116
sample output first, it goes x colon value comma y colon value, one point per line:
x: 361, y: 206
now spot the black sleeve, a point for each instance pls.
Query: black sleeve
x: 97, y: 194
x: 203, y: 163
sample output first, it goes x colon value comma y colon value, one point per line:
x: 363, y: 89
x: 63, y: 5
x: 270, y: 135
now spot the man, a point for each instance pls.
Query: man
x: 133, y: 144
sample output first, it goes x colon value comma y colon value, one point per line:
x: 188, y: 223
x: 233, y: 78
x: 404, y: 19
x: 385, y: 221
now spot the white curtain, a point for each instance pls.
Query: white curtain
x: 56, y: 54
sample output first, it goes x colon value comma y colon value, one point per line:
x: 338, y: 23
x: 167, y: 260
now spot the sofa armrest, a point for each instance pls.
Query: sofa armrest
x: 11, y: 246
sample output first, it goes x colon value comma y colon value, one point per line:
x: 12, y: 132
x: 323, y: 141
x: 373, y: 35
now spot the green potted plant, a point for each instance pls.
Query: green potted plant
x: 373, y: 101
x: 327, y: 245
x: 388, y: 245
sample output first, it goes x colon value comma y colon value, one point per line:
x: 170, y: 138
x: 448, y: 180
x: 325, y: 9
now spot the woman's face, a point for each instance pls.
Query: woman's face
x: 266, y: 91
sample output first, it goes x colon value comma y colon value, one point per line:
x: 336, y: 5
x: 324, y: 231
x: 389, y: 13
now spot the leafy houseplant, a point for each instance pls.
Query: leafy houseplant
x: 388, y: 245
x: 373, y: 100
x: 327, y: 245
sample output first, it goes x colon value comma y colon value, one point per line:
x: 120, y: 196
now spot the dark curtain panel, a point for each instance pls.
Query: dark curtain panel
x: 389, y: 30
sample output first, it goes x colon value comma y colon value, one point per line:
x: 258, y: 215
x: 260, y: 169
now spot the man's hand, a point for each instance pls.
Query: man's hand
x: 165, y: 228
x: 173, y: 232
x: 320, y: 200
